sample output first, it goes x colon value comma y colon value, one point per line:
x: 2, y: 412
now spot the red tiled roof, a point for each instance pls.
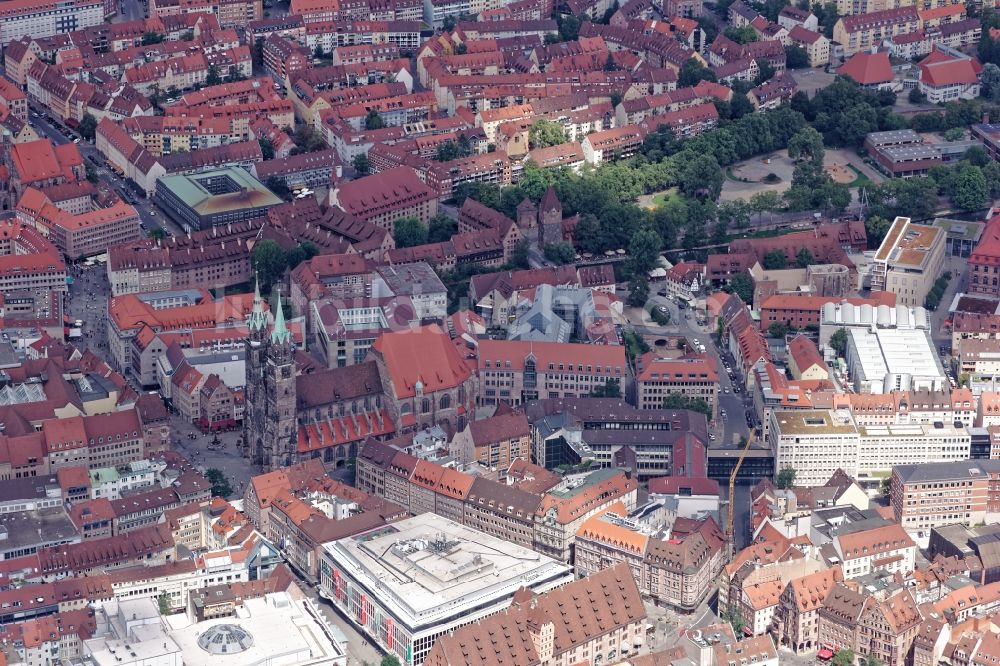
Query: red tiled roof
x: 868, y: 68
x: 425, y: 355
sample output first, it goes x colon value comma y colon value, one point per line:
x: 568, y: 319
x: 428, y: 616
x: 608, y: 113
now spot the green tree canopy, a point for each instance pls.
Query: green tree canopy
x: 361, y: 164
x: 971, y: 192
x: 775, y: 260
x: 742, y: 285
x: 545, y: 133
x: 88, y: 126
x: 409, y: 232
x: 838, y: 342
x: 796, y: 57
x: 441, y: 228
x: 743, y: 35
x: 268, y: 261
x: 804, y: 258
x: 611, y: 389
x: 560, y: 253
x: 700, y: 175
x: 644, y: 251
x: 373, y: 120
x: 220, y: 484
x: 692, y: 71
x: 786, y: 478
x: 681, y: 401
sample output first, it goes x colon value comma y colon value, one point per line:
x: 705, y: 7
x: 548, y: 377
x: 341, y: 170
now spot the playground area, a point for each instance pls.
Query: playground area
x: 774, y: 172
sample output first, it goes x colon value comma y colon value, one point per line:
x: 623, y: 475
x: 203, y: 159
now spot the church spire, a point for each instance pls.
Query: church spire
x: 280, y: 334
x: 258, y: 320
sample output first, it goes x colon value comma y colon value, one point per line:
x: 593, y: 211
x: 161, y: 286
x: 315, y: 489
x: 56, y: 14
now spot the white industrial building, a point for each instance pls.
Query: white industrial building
x: 407, y: 583
x: 835, y: 316
x: 882, y: 360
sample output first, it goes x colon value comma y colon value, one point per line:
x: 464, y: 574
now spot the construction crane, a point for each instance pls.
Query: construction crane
x: 732, y: 489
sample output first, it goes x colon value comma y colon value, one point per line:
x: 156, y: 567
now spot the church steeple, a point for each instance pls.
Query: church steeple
x: 280, y: 334
x: 258, y: 320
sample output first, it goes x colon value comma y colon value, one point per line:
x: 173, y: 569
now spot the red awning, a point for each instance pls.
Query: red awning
x: 748, y: 631
x: 824, y: 654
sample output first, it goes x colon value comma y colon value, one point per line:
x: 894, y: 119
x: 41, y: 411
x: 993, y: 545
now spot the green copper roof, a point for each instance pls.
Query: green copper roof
x: 280, y: 334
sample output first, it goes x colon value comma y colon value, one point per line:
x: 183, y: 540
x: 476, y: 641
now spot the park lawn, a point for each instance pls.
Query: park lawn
x: 860, y: 178
x: 660, y: 198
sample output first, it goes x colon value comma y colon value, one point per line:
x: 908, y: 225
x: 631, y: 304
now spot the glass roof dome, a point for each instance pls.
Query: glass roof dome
x: 225, y: 639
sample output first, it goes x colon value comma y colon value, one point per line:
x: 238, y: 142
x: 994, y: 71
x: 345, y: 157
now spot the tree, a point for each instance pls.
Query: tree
x: 361, y: 164
x: 804, y: 258
x: 609, y: 64
x: 766, y: 201
x: 876, y: 228
x: 916, y: 96
x: 735, y: 213
x: 971, y: 192
x: 408, y: 232
x: 742, y: 285
x: 373, y: 120
x: 266, y: 148
x: 545, y: 133
x: 843, y: 658
x: 838, y: 342
x: 294, y: 257
x: 91, y: 172
x: 644, y: 251
x: 88, y: 125
x: 954, y: 134
x: 700, y: 176
x: 157, y: 234
x: 318, y: 51
x: 786, y: 478
x: 977, y: 156
x: 796, y: 57
x: 278, y: 186
x: 390, y: 660
x: 990, y: 77
x: 213, y: 78
x: 775, y: 260
x: 306, y: 139
x: 220, y: 484
x: 560, y: 253
x: 152, y: 38
x: 807, y: 144
x: 766, y: 73
x: 163, y: 601
x: 638, y: 291
x: 569, y: 28
x: 309, y: 249
x: 777, y: 330
x: 441, y: 228
x: 743, y: 35
x: 447, y: 151
x: 268, y: 261
x: 447, y: 25
x: 681, y: 401
x: 735, y: 619
x: 692, y: 72
x: 611, y: 389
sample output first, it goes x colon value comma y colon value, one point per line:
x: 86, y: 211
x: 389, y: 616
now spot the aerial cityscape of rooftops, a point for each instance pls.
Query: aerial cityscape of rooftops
x: 499, y: 333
